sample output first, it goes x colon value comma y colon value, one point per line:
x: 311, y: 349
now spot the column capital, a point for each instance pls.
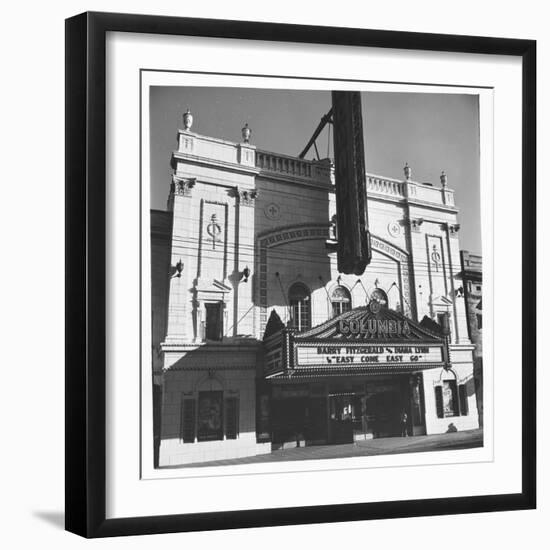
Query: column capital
x: 182, y: 186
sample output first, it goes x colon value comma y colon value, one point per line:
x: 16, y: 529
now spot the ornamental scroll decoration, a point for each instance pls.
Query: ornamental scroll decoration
x: 214, y: 229
x: 213, y: 234
x: 272, y: 211
x: 435, y: 257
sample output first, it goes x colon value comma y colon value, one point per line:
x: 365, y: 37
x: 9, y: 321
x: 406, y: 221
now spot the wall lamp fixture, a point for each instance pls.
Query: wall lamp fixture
x: 246, y: 274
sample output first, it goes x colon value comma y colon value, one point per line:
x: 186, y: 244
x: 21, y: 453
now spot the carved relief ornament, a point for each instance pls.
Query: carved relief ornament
x: 247, y: 197
x: 182, y: 186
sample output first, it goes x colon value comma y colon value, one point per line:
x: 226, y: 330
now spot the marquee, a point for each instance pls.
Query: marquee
x: 366, y: 340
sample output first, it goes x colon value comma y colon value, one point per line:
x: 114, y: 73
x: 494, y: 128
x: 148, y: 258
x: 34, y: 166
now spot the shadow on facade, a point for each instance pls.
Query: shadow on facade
x: 292, y: 256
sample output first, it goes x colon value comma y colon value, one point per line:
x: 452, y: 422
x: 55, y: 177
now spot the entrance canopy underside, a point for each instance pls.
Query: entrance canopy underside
x: 359, y: 370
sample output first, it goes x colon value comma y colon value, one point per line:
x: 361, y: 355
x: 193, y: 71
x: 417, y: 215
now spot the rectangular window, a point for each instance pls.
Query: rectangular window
x: 214, y: 321
x: 450, y: 398
x: 210, y: 416
x: 232, y: 418
x: 479, y: 320
x: 299, y: 311
x: 340, y: 307
x: 188, y: 421
x: 444, y: 322
x: 463, y: 396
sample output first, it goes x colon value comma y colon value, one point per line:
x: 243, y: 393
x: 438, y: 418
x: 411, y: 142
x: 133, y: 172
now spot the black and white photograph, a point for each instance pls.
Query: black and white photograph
x: 274, y: 275
x: 300, y: 301
x: 316, y: 274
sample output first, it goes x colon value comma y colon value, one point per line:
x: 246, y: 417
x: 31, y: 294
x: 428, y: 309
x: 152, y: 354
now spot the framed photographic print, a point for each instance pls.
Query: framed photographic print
x: 300, y: 264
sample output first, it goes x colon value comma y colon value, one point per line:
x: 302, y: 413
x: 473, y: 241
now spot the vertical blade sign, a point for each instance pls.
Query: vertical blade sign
x: 354, y: 249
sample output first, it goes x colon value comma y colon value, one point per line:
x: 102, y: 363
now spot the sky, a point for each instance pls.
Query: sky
x: 432, y: 132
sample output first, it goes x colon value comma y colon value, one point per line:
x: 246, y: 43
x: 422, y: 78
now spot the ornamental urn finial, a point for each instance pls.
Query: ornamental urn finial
x: 246, y: 132
x: 408, y: 171
x: 187, y: 120
x: 443, y: 179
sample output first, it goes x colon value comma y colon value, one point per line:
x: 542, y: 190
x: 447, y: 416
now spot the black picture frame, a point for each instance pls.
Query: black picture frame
x: 86, y: 263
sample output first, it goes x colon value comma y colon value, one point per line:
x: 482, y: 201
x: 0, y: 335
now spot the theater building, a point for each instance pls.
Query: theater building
x: 259, y: 342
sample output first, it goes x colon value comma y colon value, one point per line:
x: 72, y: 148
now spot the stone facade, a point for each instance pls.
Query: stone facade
x: 242, y: 227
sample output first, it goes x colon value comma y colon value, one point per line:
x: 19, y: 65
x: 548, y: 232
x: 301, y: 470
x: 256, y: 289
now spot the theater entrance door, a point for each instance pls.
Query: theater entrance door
x: 344, y: 417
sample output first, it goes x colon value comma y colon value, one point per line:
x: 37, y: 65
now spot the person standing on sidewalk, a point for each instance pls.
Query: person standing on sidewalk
x: 404, y: 418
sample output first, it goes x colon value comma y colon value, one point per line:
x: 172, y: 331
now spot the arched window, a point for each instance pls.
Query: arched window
x: 341, y: 300
x: 300, y: 307
x: 380, y: 296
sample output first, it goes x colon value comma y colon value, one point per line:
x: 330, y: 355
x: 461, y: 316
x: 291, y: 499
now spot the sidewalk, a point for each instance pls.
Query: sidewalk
x: 384, y: 445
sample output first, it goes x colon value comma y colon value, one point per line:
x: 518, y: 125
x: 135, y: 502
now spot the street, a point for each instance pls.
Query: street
x: 385, y: 445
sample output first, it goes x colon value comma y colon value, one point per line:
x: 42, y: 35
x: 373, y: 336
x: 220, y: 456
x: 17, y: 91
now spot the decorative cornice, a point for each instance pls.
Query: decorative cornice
x: 209, y: 162
x: 461, y: 347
